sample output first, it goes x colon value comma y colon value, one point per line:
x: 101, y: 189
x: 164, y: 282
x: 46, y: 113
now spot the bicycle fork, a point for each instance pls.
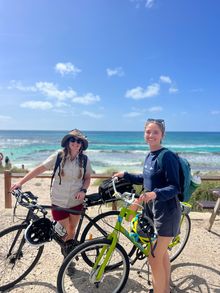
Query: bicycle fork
x: 102, y: 260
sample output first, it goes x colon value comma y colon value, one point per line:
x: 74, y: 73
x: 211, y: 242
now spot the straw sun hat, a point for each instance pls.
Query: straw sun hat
x: 78, y: 134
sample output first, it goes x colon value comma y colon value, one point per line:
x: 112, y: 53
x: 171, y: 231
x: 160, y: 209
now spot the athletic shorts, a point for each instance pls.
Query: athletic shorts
x: 62, y: 214
x: 167, y: 216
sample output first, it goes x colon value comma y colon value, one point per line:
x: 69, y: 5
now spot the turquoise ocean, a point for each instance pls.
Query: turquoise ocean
x: 112, y: 150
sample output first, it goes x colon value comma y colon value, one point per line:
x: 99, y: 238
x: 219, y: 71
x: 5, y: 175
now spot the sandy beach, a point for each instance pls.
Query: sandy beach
x: 197, y: 269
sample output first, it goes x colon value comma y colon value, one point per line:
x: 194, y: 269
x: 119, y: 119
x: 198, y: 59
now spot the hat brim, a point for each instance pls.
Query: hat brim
x: 68, y: 136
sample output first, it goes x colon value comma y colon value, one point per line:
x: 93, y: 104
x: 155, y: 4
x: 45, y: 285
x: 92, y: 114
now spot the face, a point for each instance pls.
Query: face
x: 153, y: 136
x: 75, y: 144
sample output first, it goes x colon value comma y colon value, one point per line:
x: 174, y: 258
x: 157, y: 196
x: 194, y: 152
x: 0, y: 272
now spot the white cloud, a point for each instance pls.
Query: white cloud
x: 173, y: 90
x: 4, y: 118
x: 87, y: 99
x: 49, y: 89
x: 149, y: 3
x: 92, y: 115
x: 165, y: 79
x: 155, y: 109
x: 67, y: 68
x: 60, y: 104
x: 37, y: 105
x: 19, y: 86
x: 132, y: 114
x: 140, y: 93
x: 118, y: 71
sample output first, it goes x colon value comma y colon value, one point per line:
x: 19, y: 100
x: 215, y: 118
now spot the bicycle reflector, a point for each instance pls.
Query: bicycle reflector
x: 143, y: 227
x: 39, y: 232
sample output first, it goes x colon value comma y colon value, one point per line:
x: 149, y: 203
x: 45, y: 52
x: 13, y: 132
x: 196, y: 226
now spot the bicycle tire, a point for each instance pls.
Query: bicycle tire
x: 179, y: 242
x: 107, y: 221
x: 82, y: 278
x: 11, y: 269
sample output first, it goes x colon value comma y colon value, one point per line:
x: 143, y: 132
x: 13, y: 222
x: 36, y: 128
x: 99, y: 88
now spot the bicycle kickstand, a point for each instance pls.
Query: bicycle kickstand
x: 148, y: 270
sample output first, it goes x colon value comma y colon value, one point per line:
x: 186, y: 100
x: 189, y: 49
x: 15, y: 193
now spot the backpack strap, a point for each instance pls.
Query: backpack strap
x: 85, y: 159
x: 57, y: 165
x: 160, y: 157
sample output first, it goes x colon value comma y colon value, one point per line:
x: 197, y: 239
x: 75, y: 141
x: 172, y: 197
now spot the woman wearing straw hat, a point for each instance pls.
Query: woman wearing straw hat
x: 70, y: 182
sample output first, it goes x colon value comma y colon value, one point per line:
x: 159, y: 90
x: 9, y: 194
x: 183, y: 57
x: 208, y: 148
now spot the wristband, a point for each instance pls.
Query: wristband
x: 84, y: 190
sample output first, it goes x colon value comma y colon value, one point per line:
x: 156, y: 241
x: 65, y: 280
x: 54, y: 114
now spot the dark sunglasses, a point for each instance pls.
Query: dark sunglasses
x: 77, y: 140
x: 160, y: 121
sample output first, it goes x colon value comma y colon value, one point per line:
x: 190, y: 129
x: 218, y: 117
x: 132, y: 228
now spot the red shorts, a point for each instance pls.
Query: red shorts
x: 62, y: 214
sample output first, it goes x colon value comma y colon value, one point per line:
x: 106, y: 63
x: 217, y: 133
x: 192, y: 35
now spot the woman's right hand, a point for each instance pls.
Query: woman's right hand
x: 118, y: 174
x: 17, y: 185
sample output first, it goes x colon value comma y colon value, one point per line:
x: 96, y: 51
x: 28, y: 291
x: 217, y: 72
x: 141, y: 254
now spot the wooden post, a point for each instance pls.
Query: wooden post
x: 114, y: 206
x: 8, y: 202
x: 216, y: 208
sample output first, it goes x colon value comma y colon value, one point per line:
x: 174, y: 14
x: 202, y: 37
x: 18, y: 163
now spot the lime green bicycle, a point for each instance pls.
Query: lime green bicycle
x: 102, y: 264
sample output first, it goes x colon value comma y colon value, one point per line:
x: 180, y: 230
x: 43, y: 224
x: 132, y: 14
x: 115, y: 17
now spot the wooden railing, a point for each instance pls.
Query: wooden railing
x: 8, y: 179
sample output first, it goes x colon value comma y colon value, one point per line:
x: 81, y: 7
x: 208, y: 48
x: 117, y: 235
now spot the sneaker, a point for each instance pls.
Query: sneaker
x: 68, y: 247
x: 71, y: 269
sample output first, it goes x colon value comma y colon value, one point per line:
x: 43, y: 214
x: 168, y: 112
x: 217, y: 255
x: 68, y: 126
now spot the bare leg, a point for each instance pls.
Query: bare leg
x: 160, y: 266
x: 70, y: 225
x: 167, y: 267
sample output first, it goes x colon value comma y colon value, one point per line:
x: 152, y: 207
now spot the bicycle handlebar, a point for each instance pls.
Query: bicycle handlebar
x: 128, y: 197
x: 28, y: 200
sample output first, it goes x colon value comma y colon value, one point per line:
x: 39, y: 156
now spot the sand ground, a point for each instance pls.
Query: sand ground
x: 197, y: 269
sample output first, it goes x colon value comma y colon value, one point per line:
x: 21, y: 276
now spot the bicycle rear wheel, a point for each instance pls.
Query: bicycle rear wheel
x: 17, y: 257
x: 107, y: 222
x: 82, y: 278
x: 179, y: 242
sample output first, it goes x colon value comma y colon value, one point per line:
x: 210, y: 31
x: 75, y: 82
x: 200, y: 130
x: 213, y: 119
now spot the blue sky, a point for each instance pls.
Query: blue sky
x: 109, y: 65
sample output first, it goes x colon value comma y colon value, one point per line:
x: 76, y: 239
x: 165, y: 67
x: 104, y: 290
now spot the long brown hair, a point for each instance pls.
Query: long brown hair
x: 66, y: 154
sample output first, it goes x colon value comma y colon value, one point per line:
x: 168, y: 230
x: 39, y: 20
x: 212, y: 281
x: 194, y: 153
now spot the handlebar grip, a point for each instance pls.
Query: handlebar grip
x: 24, y: 198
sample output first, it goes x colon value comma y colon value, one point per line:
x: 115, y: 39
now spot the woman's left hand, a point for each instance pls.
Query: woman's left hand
x: 147, y: 196
x: 80, y: 195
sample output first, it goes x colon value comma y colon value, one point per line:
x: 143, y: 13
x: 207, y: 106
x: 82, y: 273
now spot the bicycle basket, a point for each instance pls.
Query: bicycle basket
x: 106, y: 188
x: 39, y: 232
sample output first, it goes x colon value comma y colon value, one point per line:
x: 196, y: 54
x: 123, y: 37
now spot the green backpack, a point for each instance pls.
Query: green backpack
x: 188, y: 182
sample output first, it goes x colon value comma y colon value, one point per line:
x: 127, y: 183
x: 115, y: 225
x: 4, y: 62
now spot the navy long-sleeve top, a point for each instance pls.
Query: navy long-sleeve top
x: 164, y: 182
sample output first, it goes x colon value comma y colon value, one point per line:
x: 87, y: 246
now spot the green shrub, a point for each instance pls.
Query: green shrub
x: 203, y: 192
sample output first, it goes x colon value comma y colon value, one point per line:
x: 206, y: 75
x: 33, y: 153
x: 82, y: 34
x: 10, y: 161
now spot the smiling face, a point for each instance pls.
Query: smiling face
x: 74, y: 145
x: 153, y: 136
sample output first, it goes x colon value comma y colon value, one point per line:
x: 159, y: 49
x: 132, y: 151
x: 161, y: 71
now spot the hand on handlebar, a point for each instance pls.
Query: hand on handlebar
x: 118, y: 174
x: 17, y: 185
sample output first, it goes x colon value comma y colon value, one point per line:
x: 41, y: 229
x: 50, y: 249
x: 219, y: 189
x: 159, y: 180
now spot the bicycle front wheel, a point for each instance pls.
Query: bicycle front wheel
x: 179, y: 242
x: 17, y: 257
x: 77, y: 275
x: 107, y: 221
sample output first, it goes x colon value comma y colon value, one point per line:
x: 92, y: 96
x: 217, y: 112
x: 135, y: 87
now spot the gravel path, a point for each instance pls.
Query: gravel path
x: 197, y: 269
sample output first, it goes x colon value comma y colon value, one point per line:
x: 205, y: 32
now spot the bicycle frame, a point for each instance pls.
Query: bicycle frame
x: 125, y: 213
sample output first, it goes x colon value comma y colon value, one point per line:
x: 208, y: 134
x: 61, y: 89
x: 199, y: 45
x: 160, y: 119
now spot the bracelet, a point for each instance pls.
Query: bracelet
x: 83, y: 189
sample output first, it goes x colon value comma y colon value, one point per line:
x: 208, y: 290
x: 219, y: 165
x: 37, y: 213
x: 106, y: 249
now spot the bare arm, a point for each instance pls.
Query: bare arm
x: 32, y: 174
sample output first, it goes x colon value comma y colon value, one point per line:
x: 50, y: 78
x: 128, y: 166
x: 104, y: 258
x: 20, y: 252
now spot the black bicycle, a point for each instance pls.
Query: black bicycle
x: 18, y: 257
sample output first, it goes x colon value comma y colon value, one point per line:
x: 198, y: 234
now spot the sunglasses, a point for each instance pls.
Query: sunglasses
x: 160, y: 121
x: 77, y: 140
